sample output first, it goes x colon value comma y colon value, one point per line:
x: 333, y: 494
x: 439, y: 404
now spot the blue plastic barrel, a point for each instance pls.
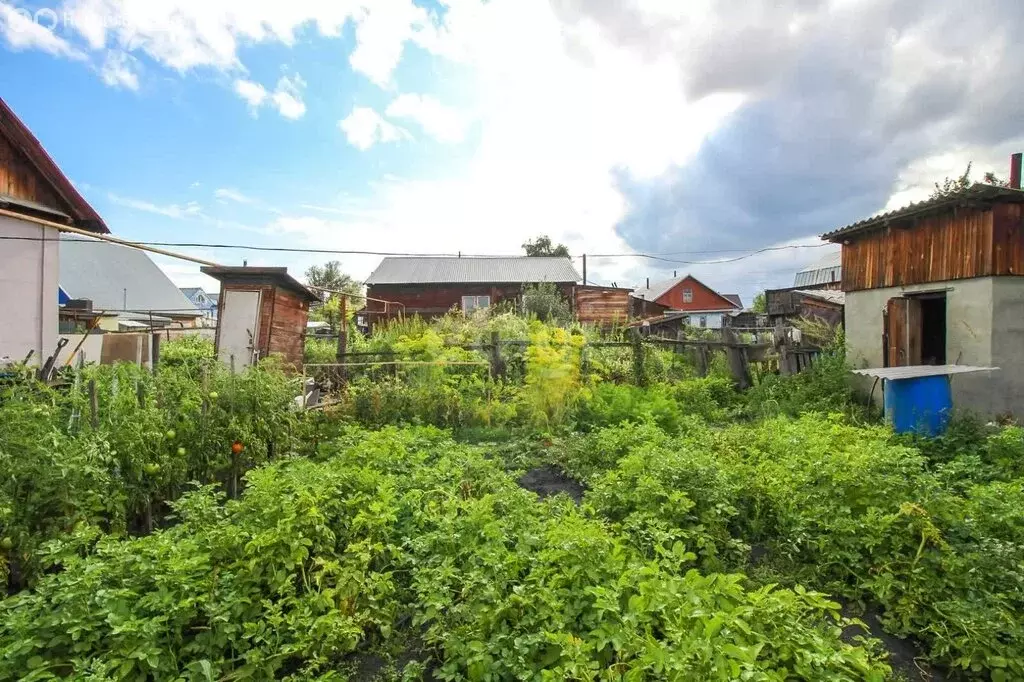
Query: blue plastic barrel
x: 922, y: 405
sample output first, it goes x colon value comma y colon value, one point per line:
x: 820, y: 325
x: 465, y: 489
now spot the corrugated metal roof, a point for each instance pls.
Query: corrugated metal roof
x: 920, y: 371
x: 976, y: 192
x: 433, y: 270
x: 734, y: 298
x: 825, y: 271
x: 830, y: 295
x: 110, y: 275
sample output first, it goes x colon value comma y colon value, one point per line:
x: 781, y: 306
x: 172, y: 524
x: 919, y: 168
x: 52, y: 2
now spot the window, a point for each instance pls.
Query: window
x: 471, y: 303
x: 687, y: 295
x: 703, y: 321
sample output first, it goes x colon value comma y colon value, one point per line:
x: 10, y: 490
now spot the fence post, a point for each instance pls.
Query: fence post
x: 94, y: 407
x: 638, y: 359
x: 155, y: 352
x: 701, y: 356
x: 737, y: 359
x: 497, y: 370
x: 782, y: 342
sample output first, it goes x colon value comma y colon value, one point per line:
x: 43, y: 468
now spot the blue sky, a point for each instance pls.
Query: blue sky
x: 473, y: 125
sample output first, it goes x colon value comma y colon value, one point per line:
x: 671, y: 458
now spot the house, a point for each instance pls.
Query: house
x: 263, y: 312
x: 123, y: 284
x: 704, y: 307
x: 430, y: 287
x: 826, y: 273
x: 940, y: 282
x: 35, y: 198
x: 824, y: 304
x: 202, y: 300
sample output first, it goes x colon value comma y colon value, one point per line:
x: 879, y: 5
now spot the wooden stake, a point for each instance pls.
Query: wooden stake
x: 94, y: 406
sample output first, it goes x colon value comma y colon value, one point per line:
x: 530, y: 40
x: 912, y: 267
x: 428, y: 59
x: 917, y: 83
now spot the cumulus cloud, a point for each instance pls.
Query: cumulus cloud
x: 840, y: 99
x: 443, y: 123
x: 286, y: 97
x: 364, y: 127
x: 20, y: 31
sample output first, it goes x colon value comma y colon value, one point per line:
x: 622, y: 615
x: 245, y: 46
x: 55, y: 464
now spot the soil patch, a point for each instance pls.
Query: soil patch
x: 547, y: 481
x: 905, y: 655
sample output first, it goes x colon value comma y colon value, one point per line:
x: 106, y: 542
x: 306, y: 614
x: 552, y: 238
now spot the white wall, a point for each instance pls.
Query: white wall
x: 28, y: 290
x: 970, y: 307
x: 714, y: 320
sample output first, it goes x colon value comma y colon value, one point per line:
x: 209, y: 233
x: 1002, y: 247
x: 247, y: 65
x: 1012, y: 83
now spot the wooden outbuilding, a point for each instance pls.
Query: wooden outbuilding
x: 605, y: 306
x: 942, y: 282
x: 263, y: 312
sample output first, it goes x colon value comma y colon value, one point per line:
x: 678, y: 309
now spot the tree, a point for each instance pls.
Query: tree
x: 545, y: 300
x: 326, y: 280
x: 951, y: 186
x: 760, y: 304
x: 543, y: 246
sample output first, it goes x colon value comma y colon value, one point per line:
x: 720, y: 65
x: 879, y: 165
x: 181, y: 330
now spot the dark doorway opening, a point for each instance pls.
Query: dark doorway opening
x: 933, y: 329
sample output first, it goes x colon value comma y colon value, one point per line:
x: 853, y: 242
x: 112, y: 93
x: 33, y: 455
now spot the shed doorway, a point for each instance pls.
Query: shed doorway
x: 915, y: 330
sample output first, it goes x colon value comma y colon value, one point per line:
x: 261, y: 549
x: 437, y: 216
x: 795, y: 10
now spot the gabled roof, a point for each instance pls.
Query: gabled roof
x: 118, y: 278
x: 82, y: 214
x: 508, y: 270
x: 977, y: 194
x: 659, y: 289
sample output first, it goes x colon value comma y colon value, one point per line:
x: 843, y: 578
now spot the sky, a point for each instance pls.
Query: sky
x: 701, y: 131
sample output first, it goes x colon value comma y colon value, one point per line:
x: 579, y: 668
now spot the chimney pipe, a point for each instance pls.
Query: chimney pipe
x: 1015, y: 164
x: 675, y: 273
x: 648, y: 282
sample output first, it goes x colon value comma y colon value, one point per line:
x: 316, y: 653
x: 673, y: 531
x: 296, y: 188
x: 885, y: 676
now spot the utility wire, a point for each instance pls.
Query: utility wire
x: 662, y: 257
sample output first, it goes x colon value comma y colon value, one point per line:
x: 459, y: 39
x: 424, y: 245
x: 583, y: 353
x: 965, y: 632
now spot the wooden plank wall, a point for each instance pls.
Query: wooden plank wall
x: 601, y: 305
x: 287, y: 327
x: 20, y: 179
x: 969, y: 242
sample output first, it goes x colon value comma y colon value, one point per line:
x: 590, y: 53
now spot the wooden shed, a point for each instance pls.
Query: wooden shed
x: 601, y: 305
x: 941, y: 282
x: 263, y: 312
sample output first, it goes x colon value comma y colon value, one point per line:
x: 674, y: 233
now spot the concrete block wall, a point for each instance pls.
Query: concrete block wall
x: 978, y: 332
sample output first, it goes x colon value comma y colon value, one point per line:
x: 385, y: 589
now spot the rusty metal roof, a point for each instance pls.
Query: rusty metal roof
x: 451, y: 270
x: 979, y: 192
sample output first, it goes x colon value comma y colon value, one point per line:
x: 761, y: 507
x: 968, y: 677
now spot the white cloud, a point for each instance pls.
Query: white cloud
x: 21, y: 31
x: 364, y: 127
x: 443, y: 123
x: 225, y: 194
x: 253, y: 93
x: 119, y: 70
x: 286, y: 98
x: 190, y: 210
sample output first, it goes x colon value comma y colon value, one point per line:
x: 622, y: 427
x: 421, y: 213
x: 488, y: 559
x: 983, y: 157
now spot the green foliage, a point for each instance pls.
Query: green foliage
x: 825, y: 387
x: 321, y: 351
x: 546, y: 302
x: 553, y: 383
x: 760, y: 304
x: 543, y: 246
x: 397, y: 533
x: 153, y: 436
x: 191, y: 352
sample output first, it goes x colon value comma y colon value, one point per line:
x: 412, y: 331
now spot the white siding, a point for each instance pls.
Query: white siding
x: 28, y: 289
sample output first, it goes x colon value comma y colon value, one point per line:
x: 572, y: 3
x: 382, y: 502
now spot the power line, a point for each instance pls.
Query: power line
x: 662, y: 257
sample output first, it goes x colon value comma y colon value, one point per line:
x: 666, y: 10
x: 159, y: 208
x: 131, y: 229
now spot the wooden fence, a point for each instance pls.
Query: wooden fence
x: 779, y: 348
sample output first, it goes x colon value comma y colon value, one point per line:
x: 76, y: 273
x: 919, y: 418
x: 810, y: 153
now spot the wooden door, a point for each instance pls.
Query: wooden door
x: 903, y: 332
x: 239, y: 327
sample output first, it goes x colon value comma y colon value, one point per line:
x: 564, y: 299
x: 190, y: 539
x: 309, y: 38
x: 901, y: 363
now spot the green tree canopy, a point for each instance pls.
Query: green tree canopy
x: 760, y: 304
x: 326, y: 280
x: 543, y: 246
x: 951, y: 186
